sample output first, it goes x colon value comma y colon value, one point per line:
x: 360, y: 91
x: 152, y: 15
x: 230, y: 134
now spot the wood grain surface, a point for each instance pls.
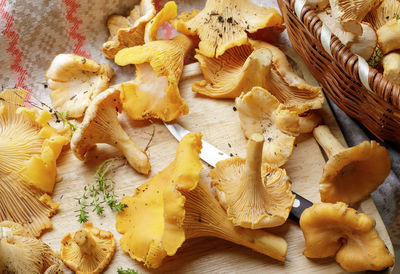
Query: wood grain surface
x: 219, y: 123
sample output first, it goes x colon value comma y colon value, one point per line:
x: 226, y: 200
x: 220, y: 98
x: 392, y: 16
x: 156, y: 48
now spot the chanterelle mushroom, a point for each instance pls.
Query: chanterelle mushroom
x: 336, y: 230
x: 167, y: 13
x: 89, y: 250
x: 254, y: 195
x: 100, y: 125
x: 29, y: 150
x: 353, y: 173
x: 349, y: 13
x: 159, y: 65
x: 22, y: 254
x: 256, y: 110
x: 128, y: 31
x: 175, y: 205
x: 391, y: 67
x: 224, y: 24
x: 74, y: 81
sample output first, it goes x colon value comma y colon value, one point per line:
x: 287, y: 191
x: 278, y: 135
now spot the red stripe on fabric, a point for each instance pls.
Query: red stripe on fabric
x: 13, y: 50
x: 77, y: 38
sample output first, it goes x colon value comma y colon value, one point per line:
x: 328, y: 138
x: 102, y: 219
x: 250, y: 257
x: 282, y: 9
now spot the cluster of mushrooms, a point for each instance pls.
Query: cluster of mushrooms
x: 368, y: 28
x: 274, y: 105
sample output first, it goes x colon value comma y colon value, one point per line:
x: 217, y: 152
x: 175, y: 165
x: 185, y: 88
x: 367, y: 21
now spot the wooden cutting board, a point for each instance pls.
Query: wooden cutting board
x: 219, y: 123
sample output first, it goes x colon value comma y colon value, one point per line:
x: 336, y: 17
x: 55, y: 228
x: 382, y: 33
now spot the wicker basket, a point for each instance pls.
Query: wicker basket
x: 359, y: 90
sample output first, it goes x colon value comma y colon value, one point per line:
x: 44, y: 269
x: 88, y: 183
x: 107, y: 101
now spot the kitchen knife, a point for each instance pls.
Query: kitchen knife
x: 212, y: 155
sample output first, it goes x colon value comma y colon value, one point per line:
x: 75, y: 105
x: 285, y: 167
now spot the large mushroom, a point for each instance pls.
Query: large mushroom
x: 391, y: 67
x: 254, y: 195
x: 224, y: 24
x: 174, y: 206
x: 128, y: 31
x: 350, y: 174
x: 29, y: 150
x: 154, y: 93
x: 20, y: 253
x: 89, y: 250
x: 100, y: 125
x: 337, y: 230
x: 74, y: 81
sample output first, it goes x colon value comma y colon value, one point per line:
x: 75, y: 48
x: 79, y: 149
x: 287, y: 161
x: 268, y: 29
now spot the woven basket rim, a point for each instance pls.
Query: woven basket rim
x: 378, y: 88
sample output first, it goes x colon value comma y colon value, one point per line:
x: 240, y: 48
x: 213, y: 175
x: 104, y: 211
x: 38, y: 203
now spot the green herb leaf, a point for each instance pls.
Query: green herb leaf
x: 126, y: 271
x: 63, y: 117
x: 376, y: 58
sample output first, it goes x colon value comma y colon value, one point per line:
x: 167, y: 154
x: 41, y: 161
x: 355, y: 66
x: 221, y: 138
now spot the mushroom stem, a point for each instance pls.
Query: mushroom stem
x: 205, y: 218
x: 252, y: 173
x: 135, y: 156
x: 85, y: 241
x: 327, y: 141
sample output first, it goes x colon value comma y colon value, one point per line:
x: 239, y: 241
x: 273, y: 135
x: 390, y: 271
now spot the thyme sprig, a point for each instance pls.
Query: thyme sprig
x: 120, y: 270
x: 99, y: 194
x: 376, y: 58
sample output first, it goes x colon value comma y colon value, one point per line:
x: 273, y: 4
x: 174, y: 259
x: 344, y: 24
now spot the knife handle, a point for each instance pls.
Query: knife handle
x: 299, y: 205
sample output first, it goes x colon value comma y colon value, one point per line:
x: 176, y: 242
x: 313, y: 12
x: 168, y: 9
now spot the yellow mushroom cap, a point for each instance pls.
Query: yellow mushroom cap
x: 351, y: 174
x: 386, y: 11
x: 21, y: 253
x: 154, y: 93
x: 89, y: 250
x: 256, y: 110
x: 128, y: 31
x: 100, y: 125
x: 391, y: 67
x: 224, y: 24
x: 336, y: 230
x: 74, y: 81
x: 388, y: 36
x: 166, y: 14
x: 152, y: 222
x: 254, y: 195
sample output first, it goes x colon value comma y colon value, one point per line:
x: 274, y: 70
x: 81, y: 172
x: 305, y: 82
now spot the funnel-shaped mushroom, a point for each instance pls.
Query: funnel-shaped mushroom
x: 386, y: 11
x: 74, y: 81
x: 350, y: 174
x: 167, y: 13
x: 391, y: 67
x: 224, y: 24
x: 256, y: 110
x: 350, y: 13
x: 159, y: 65
x: 89, y: 250
x: 100, y: 125
x: 20, y: 253
x: 128, y: 31
x: 336, y: 230
x: 174, y: 205
x: 254, y: 196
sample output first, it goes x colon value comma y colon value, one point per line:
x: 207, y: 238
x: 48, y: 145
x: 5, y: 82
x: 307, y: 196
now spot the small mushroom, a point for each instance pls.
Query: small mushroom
x: 336, y: 230
x: 350, y: 174
x: 349, y: 13
x: 224, y: 24
x: 100, y: 125
x: 159, y: 65
x: 89, y: 250
x: 388, y: 36
x: 253, y: 195
x: 128, y: 31
x: 20, y: 253
x: 391, y: 67
x: 363, y: 45
x: 256, y: 110
x: 174, y: 206
x: 74, y: 81
x: 167, y: 13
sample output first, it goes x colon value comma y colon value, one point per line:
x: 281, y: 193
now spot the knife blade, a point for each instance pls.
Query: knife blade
x: 212, y: 155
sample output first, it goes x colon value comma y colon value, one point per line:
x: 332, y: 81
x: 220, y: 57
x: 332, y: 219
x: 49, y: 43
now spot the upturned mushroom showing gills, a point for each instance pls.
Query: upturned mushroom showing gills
x: 100, y: 125
x: 20, y: 253
x: 256, y: 111
x: 74, y: 81
x: 29, y: 148
x: 174, y: 206
x: 154, y: 93
x: 89, y: 250
x: 167, y: 13
x: 337, y: 230
x: 254, y: 195
x: 350, y: 174
x: 128, y: 31
x: 224, y: 24
x: 350, y: 13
